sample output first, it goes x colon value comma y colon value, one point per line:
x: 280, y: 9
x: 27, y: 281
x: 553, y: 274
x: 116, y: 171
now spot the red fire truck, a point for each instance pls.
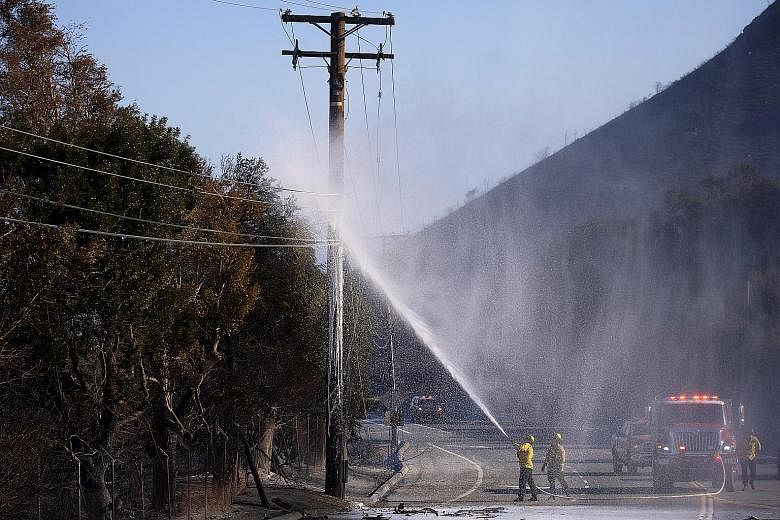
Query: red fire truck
x: 694, y: 439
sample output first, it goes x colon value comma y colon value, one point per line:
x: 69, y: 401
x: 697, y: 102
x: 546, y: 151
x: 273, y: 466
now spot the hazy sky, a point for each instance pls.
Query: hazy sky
x: 480, y: 86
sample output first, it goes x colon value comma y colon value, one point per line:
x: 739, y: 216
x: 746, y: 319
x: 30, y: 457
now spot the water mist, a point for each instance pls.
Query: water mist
x: 418, y: 325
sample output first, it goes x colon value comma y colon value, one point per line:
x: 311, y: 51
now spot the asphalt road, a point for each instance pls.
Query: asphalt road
x: 470, y: 466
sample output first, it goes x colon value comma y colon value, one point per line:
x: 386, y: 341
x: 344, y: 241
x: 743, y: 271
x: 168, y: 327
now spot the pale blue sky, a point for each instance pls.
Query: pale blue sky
x: 481, y: 86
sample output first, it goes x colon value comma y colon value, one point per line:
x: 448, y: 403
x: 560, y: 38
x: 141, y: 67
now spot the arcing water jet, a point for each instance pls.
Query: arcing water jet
x: 418, y: 325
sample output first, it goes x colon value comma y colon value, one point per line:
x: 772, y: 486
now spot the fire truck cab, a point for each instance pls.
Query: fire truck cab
x: 694, y: 439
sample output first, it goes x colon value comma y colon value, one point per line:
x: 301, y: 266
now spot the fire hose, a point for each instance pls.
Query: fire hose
x: 649, y: 497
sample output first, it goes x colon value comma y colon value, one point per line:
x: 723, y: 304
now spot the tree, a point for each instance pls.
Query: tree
x: 113, y: 347
x: 543, y: 153
x: 77, y: 299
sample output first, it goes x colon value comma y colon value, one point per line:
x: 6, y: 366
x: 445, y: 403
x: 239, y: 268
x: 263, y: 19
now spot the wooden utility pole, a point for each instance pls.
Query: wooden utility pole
x: 335, y: 440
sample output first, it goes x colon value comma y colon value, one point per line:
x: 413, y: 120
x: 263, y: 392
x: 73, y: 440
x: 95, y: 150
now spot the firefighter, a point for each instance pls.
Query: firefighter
x: 554, y: 461
x: 750, y: 448
x: 525, y: 456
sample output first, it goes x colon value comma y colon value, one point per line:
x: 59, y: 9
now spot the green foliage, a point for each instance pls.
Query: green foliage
x: 125, y: 347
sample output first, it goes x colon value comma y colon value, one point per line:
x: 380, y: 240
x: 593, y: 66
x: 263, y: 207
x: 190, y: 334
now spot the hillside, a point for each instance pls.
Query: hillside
x: 617, y: 268
x: 723, y: 114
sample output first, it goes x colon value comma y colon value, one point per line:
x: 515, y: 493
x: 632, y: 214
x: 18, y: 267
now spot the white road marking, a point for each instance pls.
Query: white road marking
x: 706, y: 504
x: 706, y: 508
x: 587, y: 485
x: 480, y: 473
x: 430, y: 428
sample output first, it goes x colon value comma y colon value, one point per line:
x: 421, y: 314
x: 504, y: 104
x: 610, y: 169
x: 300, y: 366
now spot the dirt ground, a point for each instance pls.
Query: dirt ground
x: 303, y: 495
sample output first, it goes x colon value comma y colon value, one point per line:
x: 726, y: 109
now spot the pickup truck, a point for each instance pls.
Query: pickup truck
x: 426, y: 408
x: 632, y: 446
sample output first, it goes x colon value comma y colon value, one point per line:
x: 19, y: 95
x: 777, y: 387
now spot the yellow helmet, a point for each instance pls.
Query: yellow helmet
x: 558, y: 436
x: 531, y: 439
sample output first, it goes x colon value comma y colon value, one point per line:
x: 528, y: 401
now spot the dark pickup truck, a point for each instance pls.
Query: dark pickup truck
x: 426, y: 408
x: 632, y: 446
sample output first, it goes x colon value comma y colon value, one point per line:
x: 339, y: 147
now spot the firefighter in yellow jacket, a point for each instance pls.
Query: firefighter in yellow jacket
x: 750, y: 448
x: 525, y: 456
x: 554, y: 461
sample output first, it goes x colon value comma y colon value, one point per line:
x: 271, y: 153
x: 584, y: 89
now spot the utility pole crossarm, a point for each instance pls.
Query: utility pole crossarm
x: 347, y: 55
x: 355, y: 20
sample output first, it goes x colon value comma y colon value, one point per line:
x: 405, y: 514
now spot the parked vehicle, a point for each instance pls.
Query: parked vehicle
x: 426, y: 409
x: 632, y: 446
x: 695, y: 439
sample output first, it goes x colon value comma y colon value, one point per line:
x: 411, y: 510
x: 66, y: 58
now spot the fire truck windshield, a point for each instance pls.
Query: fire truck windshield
x: 702, y: 413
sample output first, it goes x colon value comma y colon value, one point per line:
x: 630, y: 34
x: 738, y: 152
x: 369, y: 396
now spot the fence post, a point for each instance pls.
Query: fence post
x: 246, y: 462
x: 224, y: 473
x: 113, y: 489
x: 130, y: 469
x: 141, y: 480
x: 297, y: 443
x: 78, y: 482
x: 238, y: 472
x: 206, y: 485
x: 189, y: 482
x: 168, y: 482
x: 40, y: 486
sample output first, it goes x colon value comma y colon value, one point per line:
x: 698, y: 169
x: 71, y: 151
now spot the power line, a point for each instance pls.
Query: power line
x: 160, y: 166
x: 347, y: 99
x: 159, y: 239
x: 330, y: 6
x: 368, y: 131
x: 310, y: 4
x: 158, y: 223
x: 127, y: 177
x: 363, y: 87
x: 374, y: 45
x: 289, y: 2
x: 303, y: 90
x: 248, y: 6
x: 348, y: 173
x: 379, y: 149
x: 308, y: 115
x: 395, y: 126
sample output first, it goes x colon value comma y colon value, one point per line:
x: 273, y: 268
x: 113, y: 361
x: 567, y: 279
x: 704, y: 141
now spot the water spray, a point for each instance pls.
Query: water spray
x: 431, y: 341
x: 418, y: 325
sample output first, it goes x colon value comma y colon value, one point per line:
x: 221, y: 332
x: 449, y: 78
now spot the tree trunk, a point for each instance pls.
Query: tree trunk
x: 163, y: 462
x: 160, y: 482
x: 267, y: 429
x: 97, y: 500
x: 316, y: 442
x: 250, y: 461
